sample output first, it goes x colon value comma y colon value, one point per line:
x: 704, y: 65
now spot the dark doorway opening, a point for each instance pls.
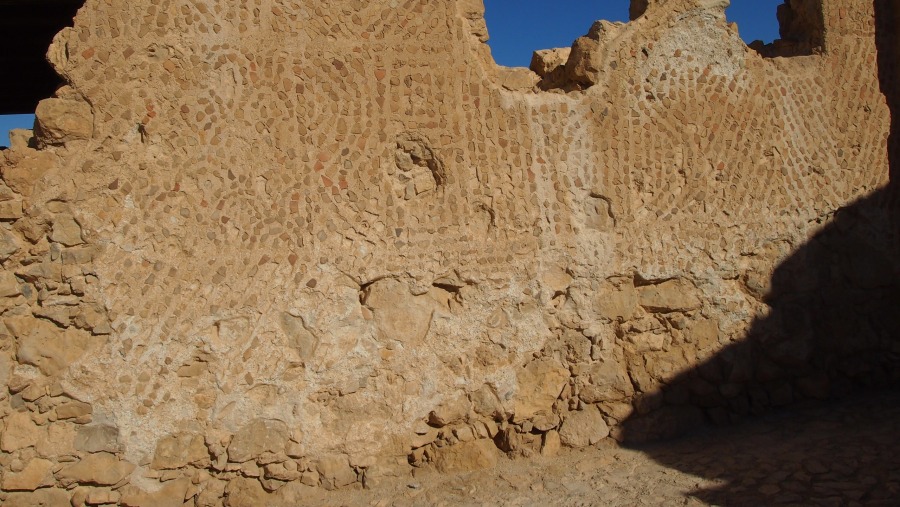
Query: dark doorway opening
x: 27, y: 28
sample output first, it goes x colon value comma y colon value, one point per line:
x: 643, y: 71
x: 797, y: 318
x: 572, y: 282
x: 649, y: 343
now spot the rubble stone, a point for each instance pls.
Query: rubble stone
x: 102, y: 469
x: 58, y: 121
x: 468, y: 456
x: 583, y: 428
x: 318, y: 245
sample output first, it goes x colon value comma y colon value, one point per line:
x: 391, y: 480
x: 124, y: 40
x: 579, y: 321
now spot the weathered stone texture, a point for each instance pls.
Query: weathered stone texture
x: 257, y: 249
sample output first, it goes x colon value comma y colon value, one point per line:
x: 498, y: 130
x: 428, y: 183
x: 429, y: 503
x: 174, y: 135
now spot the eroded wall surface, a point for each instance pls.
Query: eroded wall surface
x: 257, y: 247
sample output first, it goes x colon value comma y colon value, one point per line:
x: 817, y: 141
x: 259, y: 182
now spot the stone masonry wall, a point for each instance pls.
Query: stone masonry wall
x: 257, y: 247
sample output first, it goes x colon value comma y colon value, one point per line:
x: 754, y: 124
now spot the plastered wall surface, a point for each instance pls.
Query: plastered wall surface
x: 256, y: 247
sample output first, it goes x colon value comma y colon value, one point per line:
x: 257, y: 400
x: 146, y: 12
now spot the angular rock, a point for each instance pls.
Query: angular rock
x: 517, y: 78
x: 551, y: 444
x: 540, y: 384
x: 9, y: 284
x: 73, y: 410
x: 257, y: 437
x: 97, y: 438
x: 336, y: 472
x: 47, y: 497
x: 583, y: 428
x: 46, y: 346
x: 670, y: 296
x: 243, y: 492
x: 66, y: 231
x: 20, y: 432
x: 588, y: 60
x: 102, y: 497
x: 178, y: 451
x: 37, y: 473
x: 467, y: 456
x: 20, y: 139
x: 171, y: 494
x: 618, y: 303
x: 545, y: 61
x: 11, y: 209
x: 608, y: 381
x: 8, y: 244
x: 449, y: 412
x: 102, y: 469
x: 60, y: 441
x: 23, y: 176
x: 486, y: 402
x: 59, y: 121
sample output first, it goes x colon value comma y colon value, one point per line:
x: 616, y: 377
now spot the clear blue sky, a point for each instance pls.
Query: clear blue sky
x: 518, y: 27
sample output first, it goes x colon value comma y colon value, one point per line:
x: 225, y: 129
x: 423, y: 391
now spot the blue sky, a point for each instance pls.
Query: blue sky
x: 518, y: 27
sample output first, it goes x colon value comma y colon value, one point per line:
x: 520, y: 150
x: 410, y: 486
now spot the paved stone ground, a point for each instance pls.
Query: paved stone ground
x: 835, y: 454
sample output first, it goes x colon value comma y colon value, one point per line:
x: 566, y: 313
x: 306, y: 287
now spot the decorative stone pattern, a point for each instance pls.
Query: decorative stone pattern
x: 259, y: 247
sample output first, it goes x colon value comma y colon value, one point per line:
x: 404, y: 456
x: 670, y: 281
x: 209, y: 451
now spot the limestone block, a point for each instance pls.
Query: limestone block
x: 211, y: 494
x: 486, y: 402
x: 608, y: 381
x: 517, y: 78
x: 9, y: 284
x: 540, y: 384
x: 178, y: 451
x: 22, y: 176
x: 550, y: 444
x: 102, y: 469
x: 257, y: 437
x: 617, y: 303
x: 335, y: 472
x: 244, y: 492
x: 583, y: 428
x: 102, y: 497
x: 20, y: 432
x: 670, y: 296
x: 546, y: 61
x: 449, y: 412
x: 73, y: 410
x: 60, y: 441
x: 37, y: 473
x: 59, y: 121
x: 20, y: 139
x: 171, y: 494
x: 468, y: 456
x: 9, y: 245
x: 11, y: 209
x: 46, y: 497
x: 45, y: 345
x: 66, y: 231
x: 588, y: 59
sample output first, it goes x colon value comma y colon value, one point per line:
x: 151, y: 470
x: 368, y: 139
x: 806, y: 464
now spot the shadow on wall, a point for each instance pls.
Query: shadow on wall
x: 833, y: 328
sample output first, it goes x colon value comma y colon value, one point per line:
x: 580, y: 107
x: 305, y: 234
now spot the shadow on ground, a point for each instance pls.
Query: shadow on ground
x: 833, y: 330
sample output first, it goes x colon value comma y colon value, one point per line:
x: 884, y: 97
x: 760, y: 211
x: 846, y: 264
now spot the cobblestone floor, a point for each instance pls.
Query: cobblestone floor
x: 834, y: 454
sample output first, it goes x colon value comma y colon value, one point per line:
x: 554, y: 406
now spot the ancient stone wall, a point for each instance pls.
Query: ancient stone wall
x: 259, y: 247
